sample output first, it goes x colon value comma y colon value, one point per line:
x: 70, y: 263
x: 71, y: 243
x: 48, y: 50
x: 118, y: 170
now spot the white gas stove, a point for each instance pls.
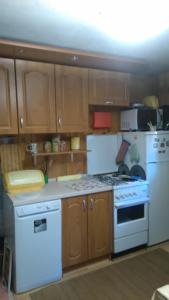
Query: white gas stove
x: 131, y: 199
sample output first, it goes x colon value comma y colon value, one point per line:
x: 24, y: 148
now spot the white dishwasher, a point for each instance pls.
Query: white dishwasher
x: 32, y: 230
x: 37, y: 245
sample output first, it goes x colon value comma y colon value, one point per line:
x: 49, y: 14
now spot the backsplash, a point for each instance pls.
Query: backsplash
x: 10, y: 158
x: 15, y: 157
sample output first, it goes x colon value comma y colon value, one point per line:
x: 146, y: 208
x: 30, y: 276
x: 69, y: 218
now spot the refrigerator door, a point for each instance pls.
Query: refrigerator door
x: 151, y: 146
x: 101, y: 157
x: 157, y: 175
x: 157, y: 146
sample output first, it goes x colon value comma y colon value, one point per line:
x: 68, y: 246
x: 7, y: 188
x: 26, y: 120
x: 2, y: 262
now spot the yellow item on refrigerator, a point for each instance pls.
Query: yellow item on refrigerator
x: 23, y: 181
x: 151, y: 101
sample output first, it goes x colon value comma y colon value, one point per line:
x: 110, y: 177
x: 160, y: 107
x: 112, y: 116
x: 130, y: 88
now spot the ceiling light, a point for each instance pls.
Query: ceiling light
x: 130, y: 21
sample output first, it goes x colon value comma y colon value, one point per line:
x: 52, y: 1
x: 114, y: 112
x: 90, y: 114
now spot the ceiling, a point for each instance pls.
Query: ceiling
x: 36, y: 22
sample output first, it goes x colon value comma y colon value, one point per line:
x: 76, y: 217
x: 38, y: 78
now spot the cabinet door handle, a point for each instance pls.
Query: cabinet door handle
x: 109, y: 102
x: 125, y: 92
x: 59, y: 121
x: 91, y: 203
x: 84, y: 204
x: 21, y: 122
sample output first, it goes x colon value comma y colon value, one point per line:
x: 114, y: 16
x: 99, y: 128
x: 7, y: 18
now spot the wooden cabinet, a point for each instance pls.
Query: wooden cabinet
x: 108, y: 88
x: 74, y: 231
x: 86, y: 228
x: 71, y: 99
x: 36, y: 97
x: 99, y: 224
x: 8, y: 110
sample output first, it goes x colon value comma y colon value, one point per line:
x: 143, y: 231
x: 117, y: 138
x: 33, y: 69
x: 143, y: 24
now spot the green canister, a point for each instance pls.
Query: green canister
x: 55, y: 144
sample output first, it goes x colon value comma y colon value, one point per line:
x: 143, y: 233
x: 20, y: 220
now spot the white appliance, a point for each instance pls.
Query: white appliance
x: 32, y: 230
x: 34, y: 234
x: 101, y: 157
x: 130, y: 216
x: 138, y: 118
x: 131, y: 202
x: 150, y: 151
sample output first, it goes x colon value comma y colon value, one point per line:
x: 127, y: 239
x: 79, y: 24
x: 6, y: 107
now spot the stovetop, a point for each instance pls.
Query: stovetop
x: 115, y: 180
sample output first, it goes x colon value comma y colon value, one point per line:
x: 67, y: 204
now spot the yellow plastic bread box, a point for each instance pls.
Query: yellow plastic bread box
x: 23, y: 181
x: 151, y: 101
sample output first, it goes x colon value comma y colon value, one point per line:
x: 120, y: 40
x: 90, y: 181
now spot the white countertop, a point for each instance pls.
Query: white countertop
x: 60, y: 190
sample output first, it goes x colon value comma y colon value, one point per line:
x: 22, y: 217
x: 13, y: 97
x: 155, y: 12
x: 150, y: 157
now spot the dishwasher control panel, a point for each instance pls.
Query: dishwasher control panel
x: 38, y: 208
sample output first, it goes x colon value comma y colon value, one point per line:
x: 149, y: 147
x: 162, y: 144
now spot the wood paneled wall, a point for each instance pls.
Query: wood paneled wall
x: 141, y: 86
x: 115, y: 118
x: 163, y: 88
x: 15, y: 157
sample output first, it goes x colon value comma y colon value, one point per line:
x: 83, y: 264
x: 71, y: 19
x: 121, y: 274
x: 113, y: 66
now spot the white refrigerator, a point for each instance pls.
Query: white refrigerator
x: 150, y: 151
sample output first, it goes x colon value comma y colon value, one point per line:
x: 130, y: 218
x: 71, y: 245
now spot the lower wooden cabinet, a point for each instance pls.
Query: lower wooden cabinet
x: 86, y: 228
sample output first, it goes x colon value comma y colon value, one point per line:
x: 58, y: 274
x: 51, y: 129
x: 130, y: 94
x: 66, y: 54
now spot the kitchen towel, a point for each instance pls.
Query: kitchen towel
x: 122, y: 152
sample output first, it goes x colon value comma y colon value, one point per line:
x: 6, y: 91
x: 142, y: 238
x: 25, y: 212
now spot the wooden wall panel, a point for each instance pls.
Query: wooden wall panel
x: 15, y: 157
x: 115, y: 114
x: 141, y: 86
x: 10, y: 160
x: 163, y: 88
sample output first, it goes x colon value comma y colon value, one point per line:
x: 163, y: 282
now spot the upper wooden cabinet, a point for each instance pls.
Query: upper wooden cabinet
x: 71, y: 99
x: 86, y: 228
x: 36, y: 97
x: 108, y: 88
x: 8, y: 110
x: 54, y: 98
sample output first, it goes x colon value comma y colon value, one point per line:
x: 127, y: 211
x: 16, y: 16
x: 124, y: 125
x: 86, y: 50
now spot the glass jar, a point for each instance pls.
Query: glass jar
x: 48, y: 146
x: 62, y: 146
x: 55, y: 144
x: 75, y: 143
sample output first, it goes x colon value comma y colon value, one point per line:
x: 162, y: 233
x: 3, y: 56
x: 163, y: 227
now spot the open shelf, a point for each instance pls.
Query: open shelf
x: 49, y: 154
x: 59, y: 153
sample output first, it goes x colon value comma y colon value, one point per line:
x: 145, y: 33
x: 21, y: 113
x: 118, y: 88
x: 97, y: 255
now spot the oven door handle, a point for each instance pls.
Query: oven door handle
x: 131, y: 203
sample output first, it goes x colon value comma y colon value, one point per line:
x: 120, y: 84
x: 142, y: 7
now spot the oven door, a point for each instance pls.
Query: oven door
x: 130, y: 217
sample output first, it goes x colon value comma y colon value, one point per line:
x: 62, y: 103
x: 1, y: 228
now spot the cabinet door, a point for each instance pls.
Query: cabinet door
x: 108, y: 88
x: 71, y: 99
x: 74, y: 231
x: 36, y: 97
x: 100, y: 216
x: 8, y: 110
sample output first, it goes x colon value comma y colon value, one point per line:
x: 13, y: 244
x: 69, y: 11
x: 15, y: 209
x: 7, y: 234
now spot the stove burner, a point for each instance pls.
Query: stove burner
x: 110, y: 179
x: 113, y: 179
